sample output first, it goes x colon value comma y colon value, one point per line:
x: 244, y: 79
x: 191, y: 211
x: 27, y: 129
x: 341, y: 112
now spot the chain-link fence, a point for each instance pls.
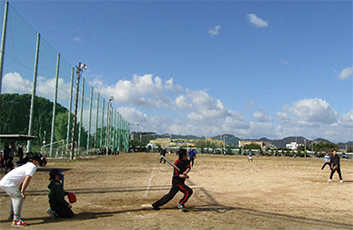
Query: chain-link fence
x: 41, y: 93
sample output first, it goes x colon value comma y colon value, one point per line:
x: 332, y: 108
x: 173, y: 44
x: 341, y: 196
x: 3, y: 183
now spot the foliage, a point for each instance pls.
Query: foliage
x: 252, y: 146
x: 324, y: 147
x: 14, y: 119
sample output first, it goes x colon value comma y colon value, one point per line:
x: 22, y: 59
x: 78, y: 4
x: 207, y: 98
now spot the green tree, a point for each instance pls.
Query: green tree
x: 252, y: 146
x: 15, y: 110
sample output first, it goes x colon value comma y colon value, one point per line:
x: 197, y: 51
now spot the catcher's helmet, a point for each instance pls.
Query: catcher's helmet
x: 53, y: 173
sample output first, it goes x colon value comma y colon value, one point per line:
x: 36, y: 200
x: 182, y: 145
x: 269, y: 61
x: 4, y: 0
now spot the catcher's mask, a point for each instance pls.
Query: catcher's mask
x: 55, y: 172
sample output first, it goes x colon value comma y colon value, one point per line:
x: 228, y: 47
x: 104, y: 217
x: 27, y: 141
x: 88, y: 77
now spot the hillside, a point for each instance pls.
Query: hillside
x: 280, y: 143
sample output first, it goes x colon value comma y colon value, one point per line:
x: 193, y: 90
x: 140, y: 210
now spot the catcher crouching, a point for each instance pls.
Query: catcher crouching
x: 58, y: 205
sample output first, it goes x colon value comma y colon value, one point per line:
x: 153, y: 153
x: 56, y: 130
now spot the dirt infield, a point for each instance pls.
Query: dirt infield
x: 115, y: 192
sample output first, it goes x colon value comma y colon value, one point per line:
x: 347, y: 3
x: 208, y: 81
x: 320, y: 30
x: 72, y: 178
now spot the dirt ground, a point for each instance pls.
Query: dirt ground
x: 116, y: 192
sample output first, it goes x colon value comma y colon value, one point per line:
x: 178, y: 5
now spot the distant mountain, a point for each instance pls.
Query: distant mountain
x: 234, y: 141
x: 345, y: 145
x: 287, y: 140
x: 229, y: 138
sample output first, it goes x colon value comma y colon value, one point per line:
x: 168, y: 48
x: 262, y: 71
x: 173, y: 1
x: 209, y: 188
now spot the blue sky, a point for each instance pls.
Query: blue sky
x: 248, y: 68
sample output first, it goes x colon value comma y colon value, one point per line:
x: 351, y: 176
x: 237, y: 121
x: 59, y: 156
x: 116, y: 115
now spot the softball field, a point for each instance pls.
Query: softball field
x: 116, y: 192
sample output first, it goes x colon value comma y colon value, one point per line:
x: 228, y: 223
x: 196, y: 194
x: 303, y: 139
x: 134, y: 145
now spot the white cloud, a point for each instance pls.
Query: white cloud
x: 214, y: 30
x: 160, y: 124
x: 346, y: 73
x: 249, y: 104
x: 346, y: 119
x: 141, y: 91
x: 309, y: 112
x: 77, y: 39
x: 258, y: 22
x: 204, y: 105
x: 14, y: 83
x: 262, y: 116
x: 284, y: 62
x: 179, y: 110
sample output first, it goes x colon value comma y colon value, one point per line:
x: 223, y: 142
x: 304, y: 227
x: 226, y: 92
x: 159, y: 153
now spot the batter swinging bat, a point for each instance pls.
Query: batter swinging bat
x: 171, y: 163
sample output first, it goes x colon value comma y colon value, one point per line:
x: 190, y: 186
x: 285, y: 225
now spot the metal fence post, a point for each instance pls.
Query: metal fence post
x: 54, y: 107
x: 30, y: 125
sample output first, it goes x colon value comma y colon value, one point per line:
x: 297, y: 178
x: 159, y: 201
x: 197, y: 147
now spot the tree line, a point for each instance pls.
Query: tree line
x: 14, y: 118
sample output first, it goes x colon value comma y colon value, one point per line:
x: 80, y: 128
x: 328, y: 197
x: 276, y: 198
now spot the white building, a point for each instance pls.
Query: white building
x: 293, y: 145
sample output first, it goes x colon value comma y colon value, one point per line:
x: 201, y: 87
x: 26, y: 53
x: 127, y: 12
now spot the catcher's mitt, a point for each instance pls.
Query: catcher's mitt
x: 335, y: 167
x: 72, y: 197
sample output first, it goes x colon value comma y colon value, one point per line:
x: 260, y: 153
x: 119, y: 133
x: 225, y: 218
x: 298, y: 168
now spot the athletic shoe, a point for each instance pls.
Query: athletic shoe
x: 19, y: 223
x: 182, y: 208
x: 51, y: 212
x: 329, y: 180
x: 155, y: 207
x: 341, y: 181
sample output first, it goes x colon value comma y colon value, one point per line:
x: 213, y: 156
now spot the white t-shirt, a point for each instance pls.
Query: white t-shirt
x: 16, y: 176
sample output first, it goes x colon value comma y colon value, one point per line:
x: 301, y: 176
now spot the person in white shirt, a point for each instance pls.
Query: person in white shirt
x: 327, y: 160
x: 15, y: 183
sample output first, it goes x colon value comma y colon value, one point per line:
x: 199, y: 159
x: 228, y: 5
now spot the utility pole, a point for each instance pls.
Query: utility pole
x: 79, y: 70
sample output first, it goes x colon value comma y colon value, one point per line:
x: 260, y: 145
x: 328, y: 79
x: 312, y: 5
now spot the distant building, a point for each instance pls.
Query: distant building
x: 170, y: 142
x: 243, y: 143
x: 293, y: 145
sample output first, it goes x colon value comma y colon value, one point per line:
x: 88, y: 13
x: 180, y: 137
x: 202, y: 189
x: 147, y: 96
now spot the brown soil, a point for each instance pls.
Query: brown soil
x: 116, y: 192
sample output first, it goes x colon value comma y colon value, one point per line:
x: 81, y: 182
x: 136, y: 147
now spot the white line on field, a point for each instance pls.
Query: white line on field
x: 149, y: 183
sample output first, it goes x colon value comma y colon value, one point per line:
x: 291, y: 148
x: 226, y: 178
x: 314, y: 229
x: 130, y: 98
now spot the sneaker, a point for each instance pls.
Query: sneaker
x: 51, y: 212
x: 329, y: 180
x: 182, y: 208
x: 19, y: 223
x: 341, y: 181
x: 155, y: 207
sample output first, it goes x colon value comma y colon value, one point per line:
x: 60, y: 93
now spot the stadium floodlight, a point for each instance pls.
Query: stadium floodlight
x: 83, y: 66
x: 79, y: 70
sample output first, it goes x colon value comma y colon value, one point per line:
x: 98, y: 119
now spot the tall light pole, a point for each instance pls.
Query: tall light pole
x: 108, y: 131
x: 79, y: 70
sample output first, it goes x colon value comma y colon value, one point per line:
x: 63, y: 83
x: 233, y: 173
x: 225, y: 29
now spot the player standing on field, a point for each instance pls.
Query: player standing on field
x: 178, y: 183
x: 335, y: 166
x: 192, y: 156
x: 163, y: 152
x: 250, y: 156
x: 327, y: 160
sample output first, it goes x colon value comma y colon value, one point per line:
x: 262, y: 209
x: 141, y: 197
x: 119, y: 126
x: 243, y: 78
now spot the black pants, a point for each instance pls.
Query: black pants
x: 9, y: 163
x: 326, y: 163
x: 173, y: 191
x: 192, y: 162
x: 338, y: 171
x: 62, y: 211
x: 162, y: 159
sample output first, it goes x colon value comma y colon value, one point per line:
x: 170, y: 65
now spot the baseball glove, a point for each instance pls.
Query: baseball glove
x: 335, y: 167
x: 72, y: 197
